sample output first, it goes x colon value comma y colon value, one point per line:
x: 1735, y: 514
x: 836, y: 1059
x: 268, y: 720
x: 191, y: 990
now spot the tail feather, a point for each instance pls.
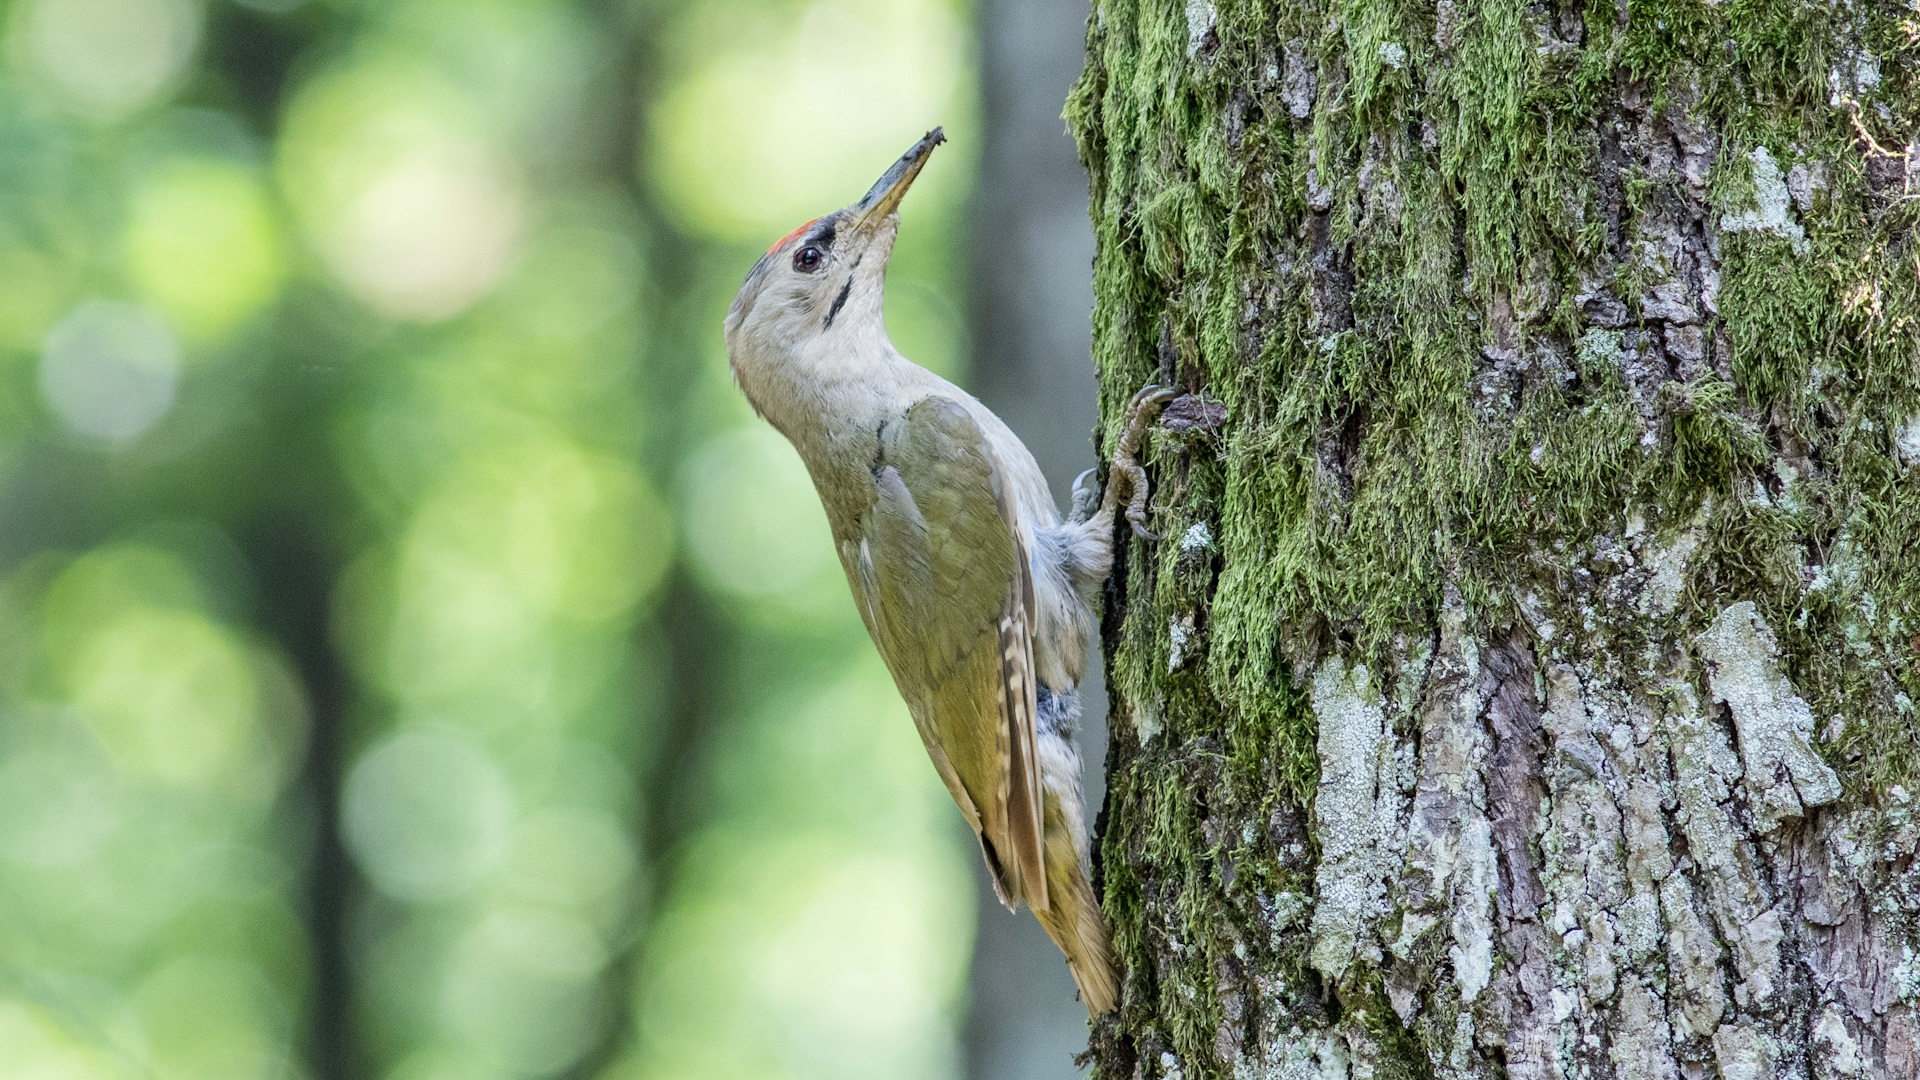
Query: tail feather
x: 1072, y: 915
x: 1075, y: 924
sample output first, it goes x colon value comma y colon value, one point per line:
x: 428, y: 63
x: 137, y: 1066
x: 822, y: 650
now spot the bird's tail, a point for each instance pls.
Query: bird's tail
x: 1074, y: 922
x: 1069, y: 912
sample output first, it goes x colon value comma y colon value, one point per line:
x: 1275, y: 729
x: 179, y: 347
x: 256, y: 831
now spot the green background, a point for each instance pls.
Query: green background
x: 415, y: 660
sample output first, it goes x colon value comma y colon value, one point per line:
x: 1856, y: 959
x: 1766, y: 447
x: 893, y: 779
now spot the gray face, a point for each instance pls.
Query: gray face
x: 804, y: 285
x: 800, y: 276
x: 813, y: 275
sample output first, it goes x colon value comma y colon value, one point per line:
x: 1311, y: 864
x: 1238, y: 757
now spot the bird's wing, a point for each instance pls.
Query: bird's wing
x: 946, y: 589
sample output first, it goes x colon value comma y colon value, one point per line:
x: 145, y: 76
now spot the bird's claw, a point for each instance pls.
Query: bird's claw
x: 1142, y: 410
x: 1140, y: 415
x: 1086, y: 495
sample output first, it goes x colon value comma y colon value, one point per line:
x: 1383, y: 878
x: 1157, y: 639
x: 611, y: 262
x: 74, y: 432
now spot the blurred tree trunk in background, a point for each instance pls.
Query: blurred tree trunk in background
x: 1524, y: 684
x: 1031, y: 262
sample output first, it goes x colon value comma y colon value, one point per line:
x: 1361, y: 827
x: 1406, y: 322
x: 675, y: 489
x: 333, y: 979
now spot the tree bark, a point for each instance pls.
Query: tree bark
x: 1523, y: 685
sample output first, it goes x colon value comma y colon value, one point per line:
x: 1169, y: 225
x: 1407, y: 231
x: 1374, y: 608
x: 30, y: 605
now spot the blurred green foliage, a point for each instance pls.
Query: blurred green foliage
x: 415, y: 662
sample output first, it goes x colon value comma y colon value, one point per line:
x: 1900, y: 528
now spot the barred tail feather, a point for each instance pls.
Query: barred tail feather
x: 1073, y: 919
x: 1075, y: 924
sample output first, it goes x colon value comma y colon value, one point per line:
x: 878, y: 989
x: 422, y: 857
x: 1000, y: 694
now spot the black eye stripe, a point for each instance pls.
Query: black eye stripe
x: 839, y: 301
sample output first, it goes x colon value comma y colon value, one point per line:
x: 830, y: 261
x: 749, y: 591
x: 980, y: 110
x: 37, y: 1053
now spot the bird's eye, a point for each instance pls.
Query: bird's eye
x: 807, y: 259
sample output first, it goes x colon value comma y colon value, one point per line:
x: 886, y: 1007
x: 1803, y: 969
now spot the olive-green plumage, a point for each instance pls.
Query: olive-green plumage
x: 978, y: 596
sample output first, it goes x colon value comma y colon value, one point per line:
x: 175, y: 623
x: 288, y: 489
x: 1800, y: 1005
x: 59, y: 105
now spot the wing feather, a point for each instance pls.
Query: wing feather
x: 1025, y: 800
x: 942, y: 577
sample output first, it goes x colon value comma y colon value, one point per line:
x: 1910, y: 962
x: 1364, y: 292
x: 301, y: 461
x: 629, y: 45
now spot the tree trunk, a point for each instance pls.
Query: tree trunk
x: 1523, y: 685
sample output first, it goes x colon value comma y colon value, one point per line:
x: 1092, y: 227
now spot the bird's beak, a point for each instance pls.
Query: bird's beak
x: 885, y: 195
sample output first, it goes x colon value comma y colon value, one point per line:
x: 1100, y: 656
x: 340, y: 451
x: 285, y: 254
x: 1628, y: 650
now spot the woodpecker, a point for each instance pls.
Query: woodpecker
x: 980, y: 598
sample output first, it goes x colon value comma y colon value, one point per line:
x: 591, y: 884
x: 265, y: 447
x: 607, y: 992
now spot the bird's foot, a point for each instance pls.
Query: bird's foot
x: 1141, y: 412
x: 1086, y: 496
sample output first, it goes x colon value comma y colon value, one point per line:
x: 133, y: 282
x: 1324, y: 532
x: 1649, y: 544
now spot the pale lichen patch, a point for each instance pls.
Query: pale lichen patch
x: 1450, y: 867
x: 1200, y: 19
x: 1608, y: 870
x: 1768, y: 214
x: 1147, y: 721
x: 1180, y: 633
x: 1669, y: 579
x: 1641, y: 1048
x: 1296, y: 1058
x: 1352, y: 811
x: 1693, y: 960
x: 1837, y: 1051
x: 1300, y: 83
x: 1744, y: 1053
x: 1705, y: 769
x: 1906, y: 978
x: 1906, y: 441
x: 1472, y: 948
x: 1784, y: 774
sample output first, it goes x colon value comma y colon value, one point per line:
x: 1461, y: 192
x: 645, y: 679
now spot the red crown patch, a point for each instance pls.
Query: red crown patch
x: 785, y: 240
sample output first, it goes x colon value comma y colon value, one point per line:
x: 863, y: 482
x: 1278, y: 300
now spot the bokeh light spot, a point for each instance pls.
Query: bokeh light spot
x: 569, y: 858
x: 574, y: 280
x: 205, y: 1017
x: 810, y: 953
x: 429, y: 235
x: 426, y: 814
x: 520, y: 985
x: 754, y: 525
x: 764, y: 132
x: 55, y: 808
x: 98, y: 586
x: 525, y: 532
x: 203, y: 246
x: 168, y: 693
x: 108, y: 57
x: 585, y: 536
x: 35, y: 1046
x: 110, y: 370
x: 35, y: 295
x: 846, y: 965
x: 456, y: 620
x: 411, y: 205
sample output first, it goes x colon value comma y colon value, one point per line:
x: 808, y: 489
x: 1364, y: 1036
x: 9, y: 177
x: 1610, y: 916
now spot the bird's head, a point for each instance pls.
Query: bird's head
x: 826, y: 276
